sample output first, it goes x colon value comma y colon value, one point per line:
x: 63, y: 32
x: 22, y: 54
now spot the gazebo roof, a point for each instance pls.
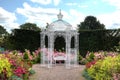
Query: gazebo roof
x: 60, y: 25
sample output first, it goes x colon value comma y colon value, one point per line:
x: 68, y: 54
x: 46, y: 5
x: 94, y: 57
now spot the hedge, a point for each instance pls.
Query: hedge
x: 96, y: 40
x: 89, y: 40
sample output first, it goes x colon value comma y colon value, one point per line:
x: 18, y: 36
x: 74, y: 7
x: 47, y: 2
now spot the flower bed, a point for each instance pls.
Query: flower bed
x: 15, y: 65
x: 104, y: 66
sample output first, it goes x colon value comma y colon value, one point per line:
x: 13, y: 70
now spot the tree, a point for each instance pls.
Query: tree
x: 29, y: 26
x: 3, y: 31
x: 90, y: 23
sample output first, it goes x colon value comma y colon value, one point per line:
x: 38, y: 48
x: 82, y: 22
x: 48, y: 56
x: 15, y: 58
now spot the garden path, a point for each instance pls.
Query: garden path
x: 59, y: 72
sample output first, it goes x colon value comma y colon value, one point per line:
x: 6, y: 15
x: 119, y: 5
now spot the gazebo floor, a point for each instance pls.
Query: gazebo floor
x: 59, y: 72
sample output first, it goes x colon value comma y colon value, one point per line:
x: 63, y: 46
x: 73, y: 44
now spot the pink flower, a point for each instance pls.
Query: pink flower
x: 12, y: 62
x: 31, y: 57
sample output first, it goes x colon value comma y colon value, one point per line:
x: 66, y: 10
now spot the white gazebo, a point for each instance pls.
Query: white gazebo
x: 59, y: 28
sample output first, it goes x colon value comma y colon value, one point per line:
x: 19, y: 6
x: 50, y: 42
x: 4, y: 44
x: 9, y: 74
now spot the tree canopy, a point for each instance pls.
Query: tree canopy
x: 90, y: 23
x: 30, y: 26
x: 2, y: 31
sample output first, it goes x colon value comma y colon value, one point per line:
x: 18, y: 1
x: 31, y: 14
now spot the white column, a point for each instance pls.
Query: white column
x: 42, y: 47
x: 50, y: 55
x: 68, y: 38
x: 76, y: 50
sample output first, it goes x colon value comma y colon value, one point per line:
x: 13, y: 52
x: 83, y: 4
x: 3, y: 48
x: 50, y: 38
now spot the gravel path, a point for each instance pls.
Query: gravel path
x: 59, y: 72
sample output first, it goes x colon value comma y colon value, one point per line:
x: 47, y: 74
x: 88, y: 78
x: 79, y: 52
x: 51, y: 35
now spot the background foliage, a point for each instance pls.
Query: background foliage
x: 91, y: 23
x: 89, y: 40
x: 24, y: 39
x: 92, y: 37
x: 96, y: 40
x: 30, y: 26
x: 3, y: 33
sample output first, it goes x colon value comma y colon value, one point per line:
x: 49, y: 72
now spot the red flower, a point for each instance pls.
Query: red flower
x: 19, y: 71
x: 89, y: 64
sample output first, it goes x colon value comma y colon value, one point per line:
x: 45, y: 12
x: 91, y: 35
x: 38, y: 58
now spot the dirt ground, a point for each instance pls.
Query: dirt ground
x: 58, y: 72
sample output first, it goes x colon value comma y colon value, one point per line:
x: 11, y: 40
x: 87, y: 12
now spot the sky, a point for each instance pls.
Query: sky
x: 13, y: 13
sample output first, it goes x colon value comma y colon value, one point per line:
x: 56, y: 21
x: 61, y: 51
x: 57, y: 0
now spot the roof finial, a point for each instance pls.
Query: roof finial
x: 60, y: 11
x: 60, y: 15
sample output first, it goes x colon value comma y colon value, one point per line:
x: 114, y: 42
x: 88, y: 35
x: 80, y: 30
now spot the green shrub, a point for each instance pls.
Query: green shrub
x: 90, y: 57
x: 117, y: 48
x: 14, y: 77
x: 25, y: 56
x: 83, y: 61
x: 85, y: 74
x: 31, y: 71
x: 5, y: 67
x: 80, y: 58
x: 37, y: 58
x: 104, y: 69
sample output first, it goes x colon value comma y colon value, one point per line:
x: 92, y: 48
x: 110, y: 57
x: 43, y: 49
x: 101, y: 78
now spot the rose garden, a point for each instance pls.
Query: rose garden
x: 98, y: 51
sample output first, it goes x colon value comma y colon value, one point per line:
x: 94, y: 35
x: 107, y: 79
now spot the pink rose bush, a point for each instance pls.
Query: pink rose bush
x: 17, y: 65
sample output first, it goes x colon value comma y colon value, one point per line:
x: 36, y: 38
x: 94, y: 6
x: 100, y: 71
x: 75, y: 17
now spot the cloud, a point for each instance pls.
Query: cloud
x: 77, y: 5
x: 95, y: 2
x: 71, y: 4
x: 46, y: 2
x: 110, y: 19
x: 41, y: 16
x: 7, y: 19
x: 82, y: 6
x: 76, y: 17
x: 38, y: 15
x: 56, y: 2
x: 115, y: 3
